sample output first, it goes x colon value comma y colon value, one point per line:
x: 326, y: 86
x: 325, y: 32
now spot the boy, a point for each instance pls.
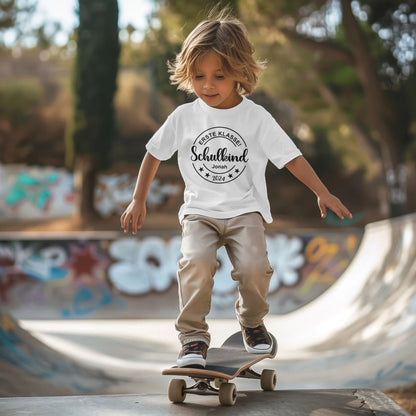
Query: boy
x: 224, y: 141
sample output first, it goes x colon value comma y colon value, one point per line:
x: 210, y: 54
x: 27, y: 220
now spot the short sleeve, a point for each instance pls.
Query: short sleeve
x: 276, y: 143
x: 163, y: 143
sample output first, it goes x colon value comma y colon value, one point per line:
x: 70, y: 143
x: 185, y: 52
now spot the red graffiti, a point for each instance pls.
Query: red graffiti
x: 85, y: 262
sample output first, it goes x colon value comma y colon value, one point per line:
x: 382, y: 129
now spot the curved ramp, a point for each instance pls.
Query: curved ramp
x: 362, y: 330
x: 30, y: 367
x: 360, y: 333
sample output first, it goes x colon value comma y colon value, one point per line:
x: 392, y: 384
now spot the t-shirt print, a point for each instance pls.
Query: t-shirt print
x: 219, y: 155
x: 222, y: 156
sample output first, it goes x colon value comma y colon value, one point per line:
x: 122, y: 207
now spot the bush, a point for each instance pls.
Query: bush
x: 19, y: 100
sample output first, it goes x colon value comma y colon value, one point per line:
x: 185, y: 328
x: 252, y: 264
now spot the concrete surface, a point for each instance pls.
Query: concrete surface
x: 360, y: 334
x: 287, y: 403
x: 30, y: 367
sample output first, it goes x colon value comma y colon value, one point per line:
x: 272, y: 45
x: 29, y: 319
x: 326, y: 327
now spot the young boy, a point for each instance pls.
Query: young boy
x: 224, y: 141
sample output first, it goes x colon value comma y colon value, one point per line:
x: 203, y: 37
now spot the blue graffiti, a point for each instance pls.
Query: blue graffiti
x: 12, y: 351
x: 34, y: 190
x: 37, y: 268
x: 46, y: 265
x: 87, y: 301
x: 36, y: 359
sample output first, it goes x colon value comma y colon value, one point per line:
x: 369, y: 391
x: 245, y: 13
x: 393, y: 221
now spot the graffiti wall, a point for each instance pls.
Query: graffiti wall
x: 31, y: 193
x: 136, y: 277
x: 41, y: 192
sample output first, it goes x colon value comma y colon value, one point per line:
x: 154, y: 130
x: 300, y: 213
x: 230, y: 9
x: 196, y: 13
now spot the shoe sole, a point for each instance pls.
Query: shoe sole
x: 191, y: 361
x: 257, y: 350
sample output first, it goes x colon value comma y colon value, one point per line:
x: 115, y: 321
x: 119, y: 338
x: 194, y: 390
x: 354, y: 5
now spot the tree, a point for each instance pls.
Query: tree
x: 94, y: 84
x: 13, y: 13
x: 345, y: 65
x: 381, y: 72
x: 176, y: 20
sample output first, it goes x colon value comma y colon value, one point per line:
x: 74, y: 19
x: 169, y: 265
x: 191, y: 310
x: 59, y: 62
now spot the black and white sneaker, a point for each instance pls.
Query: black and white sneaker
x: 193, y: 354
x: 257, y: 340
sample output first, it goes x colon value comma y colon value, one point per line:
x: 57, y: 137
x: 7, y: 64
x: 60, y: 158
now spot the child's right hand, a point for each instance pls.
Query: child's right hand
x: 134, y: 215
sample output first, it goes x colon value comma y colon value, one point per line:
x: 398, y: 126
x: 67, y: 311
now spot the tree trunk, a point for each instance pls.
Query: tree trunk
x: 84, y: 184
x: 381, y: 113
x: 94, y: 84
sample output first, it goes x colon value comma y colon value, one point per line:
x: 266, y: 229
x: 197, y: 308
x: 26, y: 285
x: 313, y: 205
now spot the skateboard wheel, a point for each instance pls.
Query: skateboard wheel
x: 227, y: 394
x: 176, y: 389
x: 268, y: 380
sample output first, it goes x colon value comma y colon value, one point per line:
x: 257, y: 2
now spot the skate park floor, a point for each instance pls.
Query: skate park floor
x: 288, y: 403
x: 335, y: 354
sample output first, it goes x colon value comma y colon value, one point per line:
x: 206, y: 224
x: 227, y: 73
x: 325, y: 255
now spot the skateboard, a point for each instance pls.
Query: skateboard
x: 223, y: 364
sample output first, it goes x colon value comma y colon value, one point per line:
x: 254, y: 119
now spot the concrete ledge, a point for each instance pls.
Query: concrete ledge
x: 341, y: 402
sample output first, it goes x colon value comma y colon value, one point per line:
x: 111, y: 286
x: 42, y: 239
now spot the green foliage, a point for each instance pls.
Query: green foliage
x: 10, y: 10
x: 94, y: 81
x: 324, y: 92
x: 18, y: 100
x: 192, y: 12
x: 177, y: 18
x: 395, y: 22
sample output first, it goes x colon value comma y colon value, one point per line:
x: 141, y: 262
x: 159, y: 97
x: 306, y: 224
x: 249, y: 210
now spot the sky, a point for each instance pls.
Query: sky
x: 63, y: 11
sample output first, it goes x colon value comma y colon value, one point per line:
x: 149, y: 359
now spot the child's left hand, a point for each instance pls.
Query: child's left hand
x: 329, y: 201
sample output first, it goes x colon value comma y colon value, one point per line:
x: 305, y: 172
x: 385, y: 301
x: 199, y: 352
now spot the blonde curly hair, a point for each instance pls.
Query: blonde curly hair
x: 227, y: 37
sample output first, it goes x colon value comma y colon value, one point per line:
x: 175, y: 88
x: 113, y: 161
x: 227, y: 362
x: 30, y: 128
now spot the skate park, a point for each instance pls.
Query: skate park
x: 87, y: 312
x: 349, y: 342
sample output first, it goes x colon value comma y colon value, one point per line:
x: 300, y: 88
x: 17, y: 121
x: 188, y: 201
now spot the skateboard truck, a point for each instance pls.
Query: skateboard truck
x: 201, y: 387
x: 223, y: 364
x: 226, y: 391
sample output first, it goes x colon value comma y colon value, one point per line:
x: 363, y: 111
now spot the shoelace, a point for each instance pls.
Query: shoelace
x: 195, y: 347
x: 256, y: 335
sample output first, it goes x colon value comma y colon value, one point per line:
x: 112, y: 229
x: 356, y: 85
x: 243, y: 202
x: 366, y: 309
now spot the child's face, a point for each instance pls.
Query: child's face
x: 212, y: 85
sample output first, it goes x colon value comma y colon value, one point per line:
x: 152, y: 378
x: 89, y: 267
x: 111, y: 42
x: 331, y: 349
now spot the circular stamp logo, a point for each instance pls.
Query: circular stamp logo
x: 219, y: 155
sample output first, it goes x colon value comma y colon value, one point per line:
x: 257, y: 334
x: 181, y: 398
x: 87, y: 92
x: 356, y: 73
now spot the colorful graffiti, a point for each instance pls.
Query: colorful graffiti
x: 87, y: 300
x: 323, y: 265
x: 34, y: 192
x: 43, y: 192
x: 89, y: 276
x: 79, y: 267
x: 151, y: 264
x: 23, y: 351
x: 113, y: 193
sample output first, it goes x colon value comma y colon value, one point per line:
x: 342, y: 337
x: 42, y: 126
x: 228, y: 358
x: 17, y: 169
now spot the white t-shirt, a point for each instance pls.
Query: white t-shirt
x: 222, y: 156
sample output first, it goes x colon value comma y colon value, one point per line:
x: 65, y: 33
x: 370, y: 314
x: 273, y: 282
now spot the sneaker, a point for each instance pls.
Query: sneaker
x: 193, y: 354
x: 257, y: 340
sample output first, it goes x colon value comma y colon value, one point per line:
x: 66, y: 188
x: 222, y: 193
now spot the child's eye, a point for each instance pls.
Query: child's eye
x: 220, y: 77
x: 199, y: 76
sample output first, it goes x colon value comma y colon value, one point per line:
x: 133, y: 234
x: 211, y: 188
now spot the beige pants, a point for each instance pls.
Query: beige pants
x: 244, y: 240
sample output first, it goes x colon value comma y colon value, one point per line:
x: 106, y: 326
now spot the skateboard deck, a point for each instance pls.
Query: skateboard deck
x: 223, y: 364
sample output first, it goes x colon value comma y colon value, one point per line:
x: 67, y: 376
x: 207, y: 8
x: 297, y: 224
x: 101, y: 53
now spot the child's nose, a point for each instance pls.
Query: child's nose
x: 208, y: 83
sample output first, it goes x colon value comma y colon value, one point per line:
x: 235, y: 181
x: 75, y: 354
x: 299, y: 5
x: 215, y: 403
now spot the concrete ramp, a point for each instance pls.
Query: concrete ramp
x: 287, y: 403
x: 360, y: 333
x: 30, y: 367
x: 362, y: 330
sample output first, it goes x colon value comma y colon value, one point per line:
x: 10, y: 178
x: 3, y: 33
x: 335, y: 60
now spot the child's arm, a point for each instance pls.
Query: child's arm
x: 300, y: 168
x: 135, y: 213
